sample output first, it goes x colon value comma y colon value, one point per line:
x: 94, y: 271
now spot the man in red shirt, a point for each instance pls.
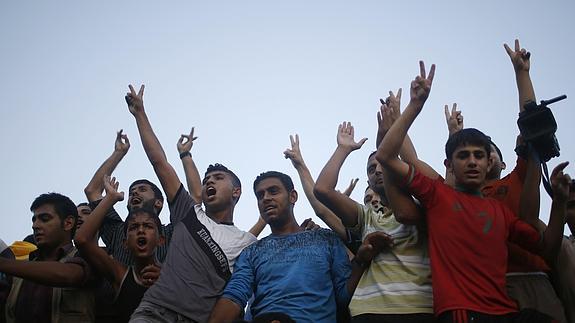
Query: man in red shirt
x: 468, y: 233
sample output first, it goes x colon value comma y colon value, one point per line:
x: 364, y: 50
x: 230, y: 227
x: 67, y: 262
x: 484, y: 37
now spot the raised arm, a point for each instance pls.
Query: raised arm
x: 340, y: 204
x: 84, y: 240
x: 258, y: 227
x: 193, y: 179
x: 391, y: 144
x: 325, y: 214
x: 165, y: 172
x: 388, y: 114
x: 95, y: 187
x: 553, y: 235
x: 520, y: 58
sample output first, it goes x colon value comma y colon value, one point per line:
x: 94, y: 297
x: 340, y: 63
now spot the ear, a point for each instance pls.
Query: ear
x: 448, y: 165
x: 236, y: 193
x: 503, y: 166
x: 292, y: 196
x: 158, y: 204
x: 69, y: 223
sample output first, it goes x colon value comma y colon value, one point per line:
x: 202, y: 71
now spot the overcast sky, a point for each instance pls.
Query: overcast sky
x: 247, y: 74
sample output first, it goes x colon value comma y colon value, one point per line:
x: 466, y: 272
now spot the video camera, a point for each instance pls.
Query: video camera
x: 538, y: 126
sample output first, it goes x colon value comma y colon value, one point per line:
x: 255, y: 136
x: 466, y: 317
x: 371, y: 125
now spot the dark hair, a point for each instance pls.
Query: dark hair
x: 497, y: 150
x: 285, y: 179
x: 219, y: 167
x: 62, y: 204
x: 84, y: 204
x: 467, y: 136
x: 157, y: 192
x: 149, y: 210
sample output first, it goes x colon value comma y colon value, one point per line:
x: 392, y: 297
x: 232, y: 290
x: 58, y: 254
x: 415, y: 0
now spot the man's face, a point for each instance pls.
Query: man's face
x: 218, y: 191
x: 372, y: 199
x: 49, y: 230
x: 83, y: 212
x: 469, y: 165
x: 496, y: 165
x: 375, y: 174
x: 142, y: 235
x: 274, y: 201
x: 140, y: 195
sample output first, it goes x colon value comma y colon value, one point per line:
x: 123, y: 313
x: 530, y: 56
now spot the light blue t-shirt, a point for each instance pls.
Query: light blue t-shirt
x: 302, y: 275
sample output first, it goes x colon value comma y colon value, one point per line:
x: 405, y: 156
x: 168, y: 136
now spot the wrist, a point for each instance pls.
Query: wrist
x: 356, y: 261
x: 185, y: 154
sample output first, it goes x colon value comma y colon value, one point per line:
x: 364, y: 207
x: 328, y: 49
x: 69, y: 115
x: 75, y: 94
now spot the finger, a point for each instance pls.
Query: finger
x: 132, y: 91
x: 508, y: 50
x: 379, y: 118
x: 517, y: 47
x: 447, y: 115
x: 141, y: 91
x: 454, y: 109
x: 422, y: 69
x: 381, y: 101
x: 297, y: 140
x: 431, y: 73
x: 559, y: 168
x: 362, y: 141
x: 398, y: 94
x: 527, y: 55
x: 292, y: 140
x: 305, y: 222
x: 192, y: 133
x: 354, y: 181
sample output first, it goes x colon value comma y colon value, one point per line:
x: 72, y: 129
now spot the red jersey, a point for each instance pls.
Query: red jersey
x: 508, y: 190
x: 468, y: 237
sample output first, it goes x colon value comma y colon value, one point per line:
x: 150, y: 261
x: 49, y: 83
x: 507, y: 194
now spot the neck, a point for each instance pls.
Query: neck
x: 468, y: 190
x: 222, y: 216
x: 51, y: 253
x: 289, y: 227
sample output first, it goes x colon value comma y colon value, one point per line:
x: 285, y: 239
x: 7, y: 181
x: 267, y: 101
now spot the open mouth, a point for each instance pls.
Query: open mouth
x: 210, y: 191
x: 135, y: 200
x: 141, y: 242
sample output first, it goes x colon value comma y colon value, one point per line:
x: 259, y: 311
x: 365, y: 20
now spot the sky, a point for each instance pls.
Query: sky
x: 247, y: 74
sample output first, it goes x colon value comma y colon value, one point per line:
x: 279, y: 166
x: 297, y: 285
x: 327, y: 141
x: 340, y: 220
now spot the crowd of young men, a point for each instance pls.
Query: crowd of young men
x: 464, y: 247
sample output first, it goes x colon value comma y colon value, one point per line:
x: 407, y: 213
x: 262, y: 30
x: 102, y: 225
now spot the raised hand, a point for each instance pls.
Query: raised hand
x: 519, y: 57
x: 421, y: 85
x: 387, y: 114
x: 111, y: 187
x: 351, y: 186
x: 345, y: 134
x: 454, y: 119
x: 186, y: 142
x: 294, y: 154
x: 135, y: 100
x: 122, y: 144
x: 560, y: 183
x: 373, y: 244
x: 308, y: 225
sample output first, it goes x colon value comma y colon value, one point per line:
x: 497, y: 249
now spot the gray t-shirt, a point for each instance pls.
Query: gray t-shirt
x: 195, y: 271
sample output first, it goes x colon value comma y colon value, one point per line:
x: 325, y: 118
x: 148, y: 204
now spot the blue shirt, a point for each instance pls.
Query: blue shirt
x: 302, y: 275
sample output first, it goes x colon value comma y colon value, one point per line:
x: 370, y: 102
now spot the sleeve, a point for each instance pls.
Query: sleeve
x: 356, y: 229
x: 241, y: 285
x: 180, y: 206
x: 89, y: 277
x: 520, y: 169
x: 524, y: 234
x: 340, y: 271
x: 421, y: 186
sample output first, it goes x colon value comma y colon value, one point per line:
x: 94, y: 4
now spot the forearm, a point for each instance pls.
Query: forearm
x: 525, y: 88
x: 529, y: 201
x: 327, y: 179
x: 51, y: 273
x: 95, y: 187
x: 225, y: 311
x: 356, y: 273
x: 393, y: 140
x: 193, y: 179
x: 554, y: 233
x: 88, y: 230
x: 258, y: 227
x: 150, y: 142
x: 325, y: 214
x: 404, y: 208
